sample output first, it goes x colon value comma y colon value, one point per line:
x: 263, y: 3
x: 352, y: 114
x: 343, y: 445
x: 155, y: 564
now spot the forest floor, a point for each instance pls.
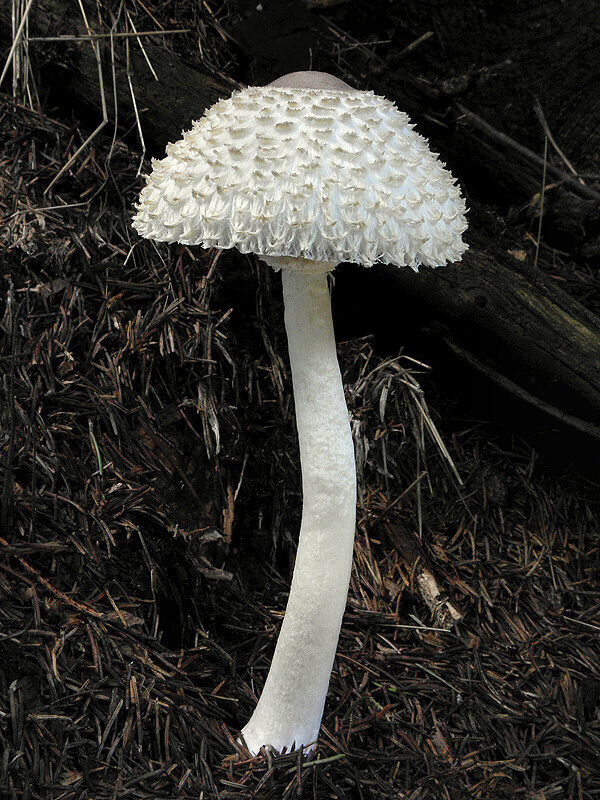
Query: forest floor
x: 151, y: 498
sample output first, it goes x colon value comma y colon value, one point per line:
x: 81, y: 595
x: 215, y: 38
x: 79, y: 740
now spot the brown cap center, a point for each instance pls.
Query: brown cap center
x: 311, y: 80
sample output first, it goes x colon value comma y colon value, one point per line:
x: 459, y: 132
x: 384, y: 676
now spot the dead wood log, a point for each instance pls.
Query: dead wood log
x: 526, y: 335
x: 94, y: 74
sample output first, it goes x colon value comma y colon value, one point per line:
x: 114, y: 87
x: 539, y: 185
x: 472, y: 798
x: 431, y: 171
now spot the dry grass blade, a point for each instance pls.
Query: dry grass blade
x: 17, y: 40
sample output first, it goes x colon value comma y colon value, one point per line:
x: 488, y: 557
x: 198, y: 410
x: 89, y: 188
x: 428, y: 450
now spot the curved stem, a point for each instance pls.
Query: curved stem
x: 288, y: 714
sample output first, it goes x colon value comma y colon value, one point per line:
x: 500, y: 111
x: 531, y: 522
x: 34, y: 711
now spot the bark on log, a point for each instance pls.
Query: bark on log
x: 523, y: 333
x: 168, y: 92
x: 516, y: 327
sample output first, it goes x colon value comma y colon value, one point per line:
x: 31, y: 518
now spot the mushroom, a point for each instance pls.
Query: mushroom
x: 308, y: 172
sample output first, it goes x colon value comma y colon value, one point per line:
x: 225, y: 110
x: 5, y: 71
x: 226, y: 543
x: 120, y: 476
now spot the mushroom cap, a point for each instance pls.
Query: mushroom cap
x: 315, y: 174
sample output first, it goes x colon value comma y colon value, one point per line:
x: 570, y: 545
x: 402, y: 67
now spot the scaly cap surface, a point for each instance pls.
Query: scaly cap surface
x: 317, y: 174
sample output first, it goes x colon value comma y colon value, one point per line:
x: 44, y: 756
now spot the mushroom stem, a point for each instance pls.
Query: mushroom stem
x: 288, y: 714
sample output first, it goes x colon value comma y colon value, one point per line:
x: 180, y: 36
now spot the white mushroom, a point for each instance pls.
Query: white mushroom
x: 306, y: 173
